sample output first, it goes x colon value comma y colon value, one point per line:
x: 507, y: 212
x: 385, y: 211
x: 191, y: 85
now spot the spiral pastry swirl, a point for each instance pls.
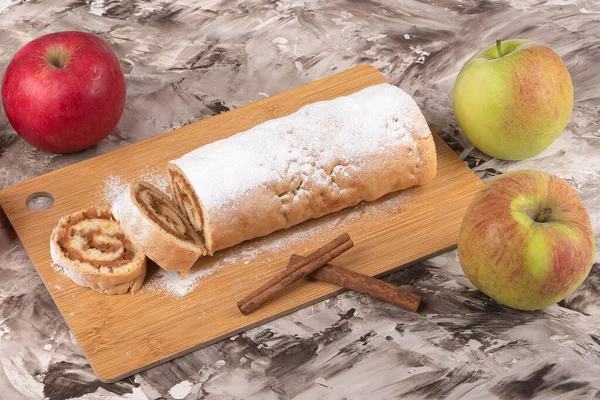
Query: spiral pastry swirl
x: 157, y: 224
x: 186, y: 198
x: 95, y: 252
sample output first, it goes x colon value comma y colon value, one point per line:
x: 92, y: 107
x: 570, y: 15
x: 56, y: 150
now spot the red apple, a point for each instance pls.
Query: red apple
x: 526, y: 240
x: 64, y: 92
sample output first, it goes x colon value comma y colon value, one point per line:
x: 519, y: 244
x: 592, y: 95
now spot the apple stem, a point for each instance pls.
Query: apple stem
x: 499, y: 47
x: 544, y: 215
x: 57, y: 56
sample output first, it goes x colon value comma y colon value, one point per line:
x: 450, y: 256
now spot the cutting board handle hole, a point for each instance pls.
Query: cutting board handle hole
x: 39, y: 201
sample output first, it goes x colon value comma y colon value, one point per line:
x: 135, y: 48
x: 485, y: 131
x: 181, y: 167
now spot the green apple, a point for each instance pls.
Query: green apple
x: 526, y: 240
x: 513, y: 99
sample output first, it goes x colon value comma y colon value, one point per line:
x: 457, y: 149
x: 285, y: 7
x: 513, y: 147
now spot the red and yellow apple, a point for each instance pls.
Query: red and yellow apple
x: 64, y: 92
x: 513, y: 99
x: 526, y: 240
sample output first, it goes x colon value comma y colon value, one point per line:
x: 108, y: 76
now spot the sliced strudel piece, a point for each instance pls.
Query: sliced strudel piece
x: 155, y: 222
x: 94, y: 252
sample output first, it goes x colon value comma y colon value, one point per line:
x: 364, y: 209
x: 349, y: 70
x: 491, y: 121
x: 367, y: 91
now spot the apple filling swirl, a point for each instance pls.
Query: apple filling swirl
x: 97, y: 242
x: 186, y: 198
x: 164, y: 213
x: 95, y: 252
x: 156, y: 223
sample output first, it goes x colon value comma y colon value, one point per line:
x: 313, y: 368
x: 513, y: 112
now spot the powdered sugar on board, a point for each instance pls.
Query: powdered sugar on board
x: 114, y: 185
x: 301, y: 238
x: 111, y: 188
x: 171, y: 284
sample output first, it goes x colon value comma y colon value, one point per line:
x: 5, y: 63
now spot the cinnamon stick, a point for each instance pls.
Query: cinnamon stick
x: 364, y: 284
x: 295, y: 272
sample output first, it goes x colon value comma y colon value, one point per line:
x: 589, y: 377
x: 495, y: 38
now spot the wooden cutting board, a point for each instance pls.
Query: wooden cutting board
x: 122, y: 335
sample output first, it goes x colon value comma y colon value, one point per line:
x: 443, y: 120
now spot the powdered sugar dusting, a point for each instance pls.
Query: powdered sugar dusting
x: 131, y: 218
x: 321, y: 143
x: 114, y: 185
x: 171, y: 284
x: 111, y: 188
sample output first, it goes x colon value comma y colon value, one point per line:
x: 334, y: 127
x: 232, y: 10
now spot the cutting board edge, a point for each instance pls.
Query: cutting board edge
x: 368, y: 72
x: 258, y: 323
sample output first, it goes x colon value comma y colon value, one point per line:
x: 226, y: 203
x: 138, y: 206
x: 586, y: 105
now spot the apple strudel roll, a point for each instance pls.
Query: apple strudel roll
x: 327, y: 156
x: 94, y: 252
x: 155, y: 222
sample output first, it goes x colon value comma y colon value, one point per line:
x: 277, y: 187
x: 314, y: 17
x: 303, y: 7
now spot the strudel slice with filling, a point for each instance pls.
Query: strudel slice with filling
x: 94, y: 252
x: 155, y: 222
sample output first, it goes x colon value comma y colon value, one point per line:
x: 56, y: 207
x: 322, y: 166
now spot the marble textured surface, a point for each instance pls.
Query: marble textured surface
x: 188, y: 60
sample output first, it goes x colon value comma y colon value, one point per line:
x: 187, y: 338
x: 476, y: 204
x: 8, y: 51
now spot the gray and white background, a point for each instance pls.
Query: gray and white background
x: 188, y: 60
